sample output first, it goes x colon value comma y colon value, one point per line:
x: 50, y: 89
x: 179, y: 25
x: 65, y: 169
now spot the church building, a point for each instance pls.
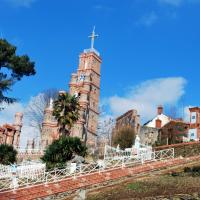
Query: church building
x: 84, y: 84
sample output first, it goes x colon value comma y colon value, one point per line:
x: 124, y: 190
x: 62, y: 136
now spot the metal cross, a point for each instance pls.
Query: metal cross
x: 93, y: 36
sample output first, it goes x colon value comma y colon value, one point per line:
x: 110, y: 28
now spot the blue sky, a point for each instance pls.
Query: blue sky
x: 146, y: 45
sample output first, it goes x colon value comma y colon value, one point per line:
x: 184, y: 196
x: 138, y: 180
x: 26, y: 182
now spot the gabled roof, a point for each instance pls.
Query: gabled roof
x: 152, y: 123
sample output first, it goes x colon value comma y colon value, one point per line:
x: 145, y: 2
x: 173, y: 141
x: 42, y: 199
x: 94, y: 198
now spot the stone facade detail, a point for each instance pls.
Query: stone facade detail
x: 85, y: 84
x: 148, y: 135
x: 10, y: 133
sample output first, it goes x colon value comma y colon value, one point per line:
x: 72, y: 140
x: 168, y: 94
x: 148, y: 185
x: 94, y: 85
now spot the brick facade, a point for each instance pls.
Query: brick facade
x: 49, y: 128
x: 128, y: 119
x: 86, y: 85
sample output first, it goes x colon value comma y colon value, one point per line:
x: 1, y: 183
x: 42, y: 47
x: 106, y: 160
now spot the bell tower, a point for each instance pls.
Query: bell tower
x: 86, y: 85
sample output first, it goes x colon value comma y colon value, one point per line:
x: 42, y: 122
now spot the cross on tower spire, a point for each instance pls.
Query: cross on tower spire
x: 93, y: 36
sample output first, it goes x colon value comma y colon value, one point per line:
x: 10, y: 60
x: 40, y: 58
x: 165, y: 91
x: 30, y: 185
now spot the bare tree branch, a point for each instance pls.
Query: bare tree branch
x: 35, y: 109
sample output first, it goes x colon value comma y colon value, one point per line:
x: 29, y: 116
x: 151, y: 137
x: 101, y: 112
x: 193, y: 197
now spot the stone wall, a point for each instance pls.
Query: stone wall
x: 148, y: 135
x: 183, y: 149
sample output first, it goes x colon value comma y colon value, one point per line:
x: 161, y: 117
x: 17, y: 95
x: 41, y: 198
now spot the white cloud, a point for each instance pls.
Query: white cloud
x: 7, y: 115
x: 146, y: 96
x: 148, y: 19
x: 187, y: 113
x: 20, y: 3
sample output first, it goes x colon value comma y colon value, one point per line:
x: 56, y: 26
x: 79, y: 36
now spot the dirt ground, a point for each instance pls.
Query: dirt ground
x: 172, y: 186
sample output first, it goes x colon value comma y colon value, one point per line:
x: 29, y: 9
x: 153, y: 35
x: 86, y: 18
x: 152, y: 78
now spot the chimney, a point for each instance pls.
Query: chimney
x: 160, y: 110
x: 158, y: 123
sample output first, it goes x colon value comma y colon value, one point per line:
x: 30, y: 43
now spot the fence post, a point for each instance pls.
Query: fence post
x: 74, y: 177
x: 80, y: 169
x: 15, y: 182
x: 123, y: 164
x: 161, y: 154
x: 173, y: 153
x: 154, y: 155
x: 46, y: 177
x: 55, y: 175
x: 142, y: 159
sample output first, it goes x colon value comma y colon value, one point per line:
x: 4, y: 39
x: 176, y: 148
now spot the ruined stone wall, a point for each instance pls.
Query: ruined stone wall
x: 148, y: 135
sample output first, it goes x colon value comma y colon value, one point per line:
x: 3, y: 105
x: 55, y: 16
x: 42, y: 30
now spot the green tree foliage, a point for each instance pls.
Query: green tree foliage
x: 12, y: 69
x: 124, y: 137
x: 62, y: 150
x: 66, y: 112
x: 7, y: 154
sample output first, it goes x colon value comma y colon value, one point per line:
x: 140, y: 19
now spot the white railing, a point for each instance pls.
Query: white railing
x: 163, y: 154
x: 30, y: 151
x: 24, y: 170
x: 111, y: 153
x: 72, y: 171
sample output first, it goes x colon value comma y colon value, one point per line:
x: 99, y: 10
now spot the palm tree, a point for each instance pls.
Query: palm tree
x: 66, y: 112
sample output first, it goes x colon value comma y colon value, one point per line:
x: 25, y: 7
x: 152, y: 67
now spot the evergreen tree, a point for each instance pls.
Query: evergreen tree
x: 12, y: 69
x: 7, y: 154
x: 62, y: 150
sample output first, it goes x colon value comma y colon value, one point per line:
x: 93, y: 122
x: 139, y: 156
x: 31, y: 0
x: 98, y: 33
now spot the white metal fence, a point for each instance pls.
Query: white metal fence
x: 14, y: 181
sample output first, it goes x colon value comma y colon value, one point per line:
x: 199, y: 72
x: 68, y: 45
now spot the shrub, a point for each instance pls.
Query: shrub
x: 196, y: 170
x: 8, y: 154
x: 62, y: 150
x: 124, y: 137
x: 187, y: 170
